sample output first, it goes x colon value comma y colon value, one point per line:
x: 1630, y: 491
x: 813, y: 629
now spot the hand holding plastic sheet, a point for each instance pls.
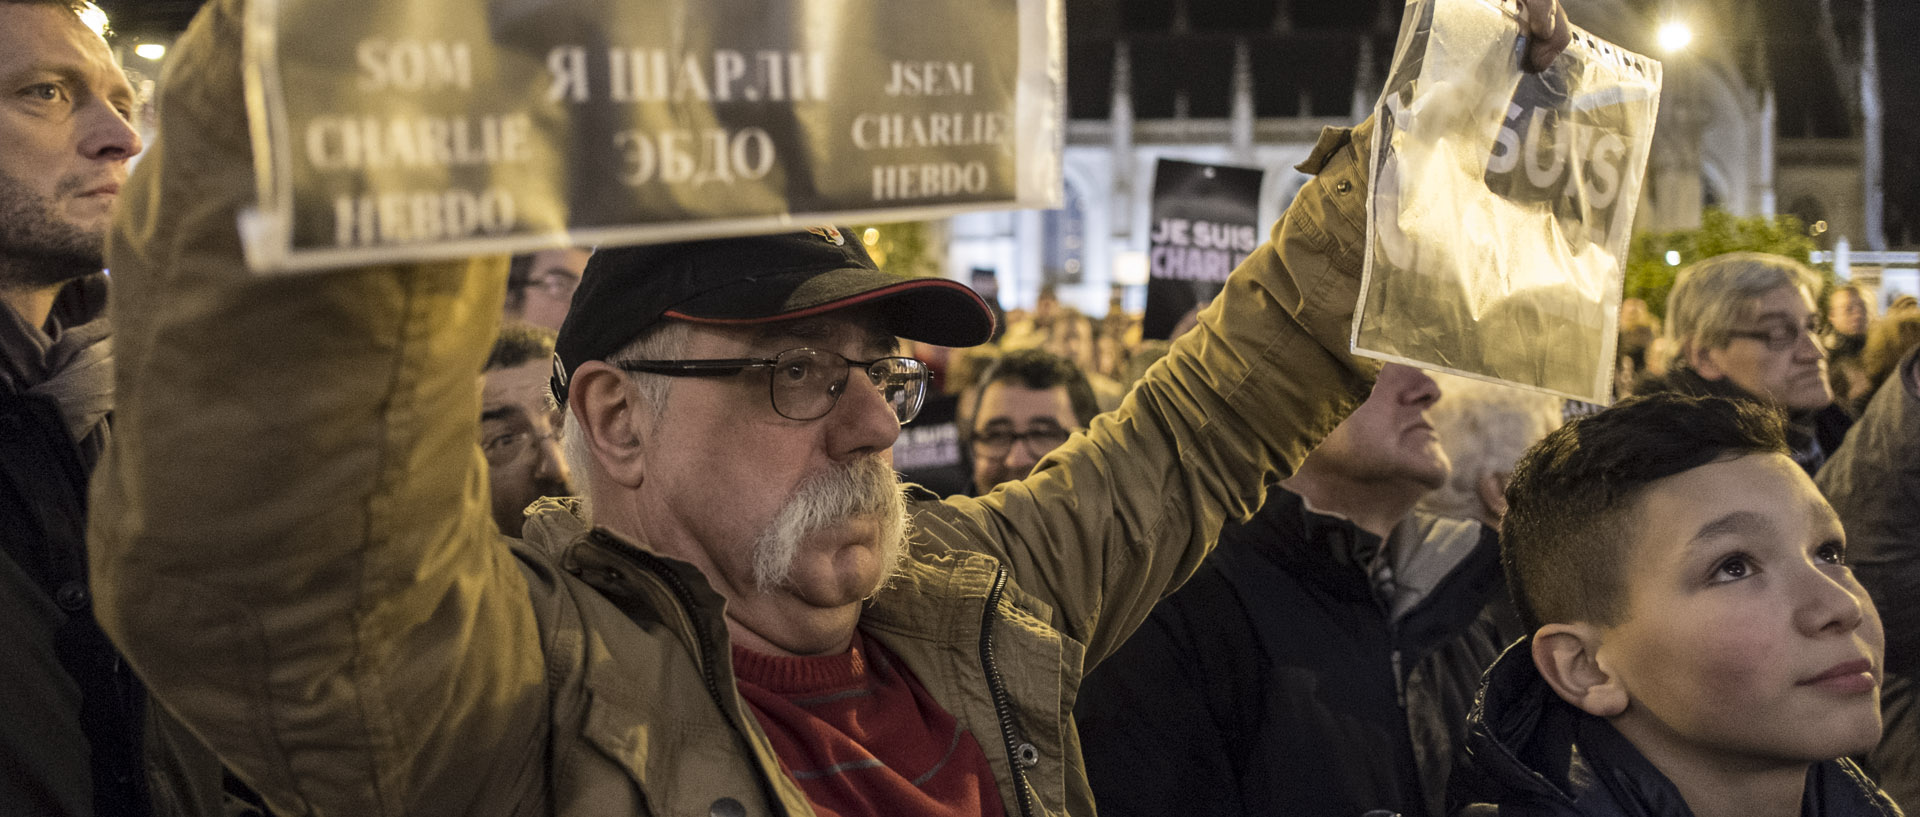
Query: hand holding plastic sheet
x: 1502, y: 201
x: 389, y: 130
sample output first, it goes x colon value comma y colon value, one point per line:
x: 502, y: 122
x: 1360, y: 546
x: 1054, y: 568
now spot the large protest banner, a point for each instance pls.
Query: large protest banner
x: 390, y: 130
x: 1206, y: 218
x: 1502, y: 202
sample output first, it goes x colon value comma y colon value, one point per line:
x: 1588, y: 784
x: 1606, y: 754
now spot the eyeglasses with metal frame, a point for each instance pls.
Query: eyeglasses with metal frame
x: 805, y: 384
x: 513, y: 444
x: 996, y: 442
x: 1781, y: 334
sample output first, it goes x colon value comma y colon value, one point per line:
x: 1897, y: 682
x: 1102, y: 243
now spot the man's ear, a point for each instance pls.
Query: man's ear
x: 1567, y: 656
x: 1705, y: 362
x: 1493, y: 496
x: 615, y: 423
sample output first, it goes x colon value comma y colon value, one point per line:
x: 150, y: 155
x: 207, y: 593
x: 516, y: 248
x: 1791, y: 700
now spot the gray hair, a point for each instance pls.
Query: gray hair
x: 1484, y: 428
x: 665, y: 341
x: 1712, y: 298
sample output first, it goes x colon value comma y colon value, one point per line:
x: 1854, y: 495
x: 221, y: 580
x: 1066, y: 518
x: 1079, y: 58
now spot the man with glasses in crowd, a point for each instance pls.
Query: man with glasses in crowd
x: 519, y: 426
x: 1028, y: 403
x: 1744, y: 325
x: 744, y: 616
x: 540, y: 285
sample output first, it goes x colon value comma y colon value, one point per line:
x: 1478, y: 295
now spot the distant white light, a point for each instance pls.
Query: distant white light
x: 871, y: 237
x: 94, y: 18
x: 1675, y: 35
x: 151, y: 51
x: 1673, y: 258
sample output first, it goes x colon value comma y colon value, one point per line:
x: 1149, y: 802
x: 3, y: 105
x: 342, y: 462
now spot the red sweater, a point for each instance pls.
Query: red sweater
x: 862, y: 737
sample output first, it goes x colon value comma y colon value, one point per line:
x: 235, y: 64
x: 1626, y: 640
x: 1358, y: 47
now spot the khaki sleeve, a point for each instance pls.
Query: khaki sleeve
x: 289, y: 533
x: 1117, y: 518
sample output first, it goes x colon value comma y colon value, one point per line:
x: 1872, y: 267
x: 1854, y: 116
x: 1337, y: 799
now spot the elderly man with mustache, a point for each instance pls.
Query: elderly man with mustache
x: 743, y: 615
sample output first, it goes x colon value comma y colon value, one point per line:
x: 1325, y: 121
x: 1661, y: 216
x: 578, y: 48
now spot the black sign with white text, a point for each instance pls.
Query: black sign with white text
x: 403, y: 130
x: 1206, y: 218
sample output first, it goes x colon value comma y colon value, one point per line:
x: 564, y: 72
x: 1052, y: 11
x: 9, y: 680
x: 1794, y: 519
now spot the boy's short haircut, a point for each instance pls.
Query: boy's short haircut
x: 1570, y: 517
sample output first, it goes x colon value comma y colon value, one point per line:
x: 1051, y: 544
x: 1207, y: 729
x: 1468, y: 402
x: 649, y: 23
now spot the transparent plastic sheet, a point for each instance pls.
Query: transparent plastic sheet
x: 407, y: 130
x: 1502, y: 202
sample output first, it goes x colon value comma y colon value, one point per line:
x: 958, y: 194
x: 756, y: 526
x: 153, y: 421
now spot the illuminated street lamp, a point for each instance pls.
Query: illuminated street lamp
x: 150, y: 51
x: 1674, y: 36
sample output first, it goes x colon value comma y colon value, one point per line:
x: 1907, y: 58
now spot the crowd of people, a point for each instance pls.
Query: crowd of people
x: 784, y: 532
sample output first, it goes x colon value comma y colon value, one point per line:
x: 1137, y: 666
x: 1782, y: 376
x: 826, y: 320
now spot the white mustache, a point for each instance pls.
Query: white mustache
x: 864, y: 488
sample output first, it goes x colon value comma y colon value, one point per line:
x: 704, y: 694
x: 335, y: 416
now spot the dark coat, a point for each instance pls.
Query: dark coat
x: 1533, y: 755
x: 72, y: 709
x: 1873, y: 481
x: 77, y: 734
x: 1277, y: 681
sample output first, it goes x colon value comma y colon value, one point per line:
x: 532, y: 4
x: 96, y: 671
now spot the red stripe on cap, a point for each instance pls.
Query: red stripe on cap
x: 831, y: 306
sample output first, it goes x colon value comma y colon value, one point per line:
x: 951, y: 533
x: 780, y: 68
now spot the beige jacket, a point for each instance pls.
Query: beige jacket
x: 291, y: 537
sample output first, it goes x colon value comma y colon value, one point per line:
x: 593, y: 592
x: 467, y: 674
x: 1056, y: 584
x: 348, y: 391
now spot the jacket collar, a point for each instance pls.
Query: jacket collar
x: 1286, y: 532
x: 1527, y: 747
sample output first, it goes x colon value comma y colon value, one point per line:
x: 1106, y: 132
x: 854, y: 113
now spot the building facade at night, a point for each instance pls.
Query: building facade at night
x: 1773, y: 108
x: 1745, y: 125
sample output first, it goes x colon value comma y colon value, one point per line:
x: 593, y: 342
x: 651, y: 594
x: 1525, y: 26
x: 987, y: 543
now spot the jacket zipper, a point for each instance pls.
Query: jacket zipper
x: 685, y: 598
x: 1020, y: 753
x: 1399, y: 680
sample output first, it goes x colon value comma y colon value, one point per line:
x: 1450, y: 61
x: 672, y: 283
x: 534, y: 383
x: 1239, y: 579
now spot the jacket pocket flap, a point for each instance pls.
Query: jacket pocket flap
x: 681, y: 759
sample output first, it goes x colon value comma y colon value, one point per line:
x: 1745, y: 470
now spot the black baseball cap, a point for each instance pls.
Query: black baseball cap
x: 625, y: 291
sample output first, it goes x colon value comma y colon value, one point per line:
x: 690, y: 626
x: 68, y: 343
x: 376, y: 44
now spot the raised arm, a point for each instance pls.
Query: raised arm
x: 1116, y: 519
x: 290, y: 534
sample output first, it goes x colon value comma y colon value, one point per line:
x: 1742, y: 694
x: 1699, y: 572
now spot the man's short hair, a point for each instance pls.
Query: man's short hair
x: 661, y: 341
x: 1571, y: 505
x: 519, y: 343
x: 1712, y: 299
x: 1038, y: 369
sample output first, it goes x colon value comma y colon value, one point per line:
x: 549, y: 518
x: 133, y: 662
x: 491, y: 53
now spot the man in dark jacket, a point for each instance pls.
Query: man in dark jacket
x: 77, y: 733
x: 1324, y: 657
x: 70, y: 732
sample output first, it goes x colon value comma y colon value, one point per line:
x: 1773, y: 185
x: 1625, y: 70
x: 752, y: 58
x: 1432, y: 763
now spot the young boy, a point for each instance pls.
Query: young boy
x: 1699, y: 644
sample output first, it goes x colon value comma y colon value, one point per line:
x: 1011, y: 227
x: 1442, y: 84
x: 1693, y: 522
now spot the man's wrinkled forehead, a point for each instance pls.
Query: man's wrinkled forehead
x: 866, y: 325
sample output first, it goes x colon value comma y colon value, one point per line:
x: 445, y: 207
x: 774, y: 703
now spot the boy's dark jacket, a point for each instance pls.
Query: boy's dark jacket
x: 1531, y: 754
